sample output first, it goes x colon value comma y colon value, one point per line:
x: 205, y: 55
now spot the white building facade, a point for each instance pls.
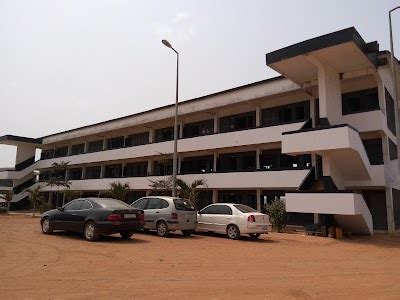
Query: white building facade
x: 322, y: 135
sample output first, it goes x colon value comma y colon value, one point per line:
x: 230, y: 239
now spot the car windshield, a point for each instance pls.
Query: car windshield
x: 244, y: 208
x: 113, y: 203
x: 183, y: 204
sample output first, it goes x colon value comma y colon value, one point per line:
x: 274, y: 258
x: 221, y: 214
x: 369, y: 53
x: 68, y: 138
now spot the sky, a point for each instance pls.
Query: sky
x: 70, y: 63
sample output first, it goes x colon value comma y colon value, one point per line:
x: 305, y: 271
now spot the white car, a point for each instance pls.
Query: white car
x: 233, y: 220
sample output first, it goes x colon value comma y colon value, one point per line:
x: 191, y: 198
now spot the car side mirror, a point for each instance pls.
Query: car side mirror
x: 61, y: 208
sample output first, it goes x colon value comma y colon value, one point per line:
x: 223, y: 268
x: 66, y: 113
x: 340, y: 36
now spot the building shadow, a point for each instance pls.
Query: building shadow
x: 114, y: 238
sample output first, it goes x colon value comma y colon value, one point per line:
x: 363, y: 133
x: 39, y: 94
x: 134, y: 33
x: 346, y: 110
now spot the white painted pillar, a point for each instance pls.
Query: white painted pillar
x: 150, y: 167
x: 69, y: 152
x: 122, y: 171
x: 215, y: 161
x: 83, y: 172
x: 103, y: 171
x: 215, y: 196
x: 180, y: 129
x: 86, y: 147
x: 258, y: 153
x: 258, y: 116
x: 258, y: 198
x: 389, y: 210
x: 180, y: 158
x: 151, y: 135
x: 216, y: 123
x: 104, y: 144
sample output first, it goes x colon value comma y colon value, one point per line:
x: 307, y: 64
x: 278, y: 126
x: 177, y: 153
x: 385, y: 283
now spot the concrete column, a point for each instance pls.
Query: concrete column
x: 258, y: 116
x: 66, y: 177
x: 83, y: 172
x: 104, y: 144
x: 258, y: 198
x: 329, y: 91
x: 389, y: 210
x: 313, y: 111
x: 148, y: 193
x: 215, y: 161
x: 150, y: 167
x: 103, y: 171
x: 180, y: 129
x: 151, y: 135
x: 86, y: 147
x: 125, y: 137
x: 316, y: 218
x: 329, y: 169
x: 180, y: 158
x: 69, y: 149
x: 122, y: 171
x: 216, y: 123
x: 258, y: 153
x: 215, y: 196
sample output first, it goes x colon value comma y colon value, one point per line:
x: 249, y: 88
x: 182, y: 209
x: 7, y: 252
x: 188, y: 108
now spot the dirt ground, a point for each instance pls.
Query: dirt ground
x: 33, y: 265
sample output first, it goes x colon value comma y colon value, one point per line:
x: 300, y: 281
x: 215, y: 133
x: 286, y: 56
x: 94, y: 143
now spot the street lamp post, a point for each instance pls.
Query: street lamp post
x: 175, y: 156
x: 395, y: 92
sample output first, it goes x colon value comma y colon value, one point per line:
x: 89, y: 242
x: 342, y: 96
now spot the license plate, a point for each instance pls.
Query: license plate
x: 129, y: 216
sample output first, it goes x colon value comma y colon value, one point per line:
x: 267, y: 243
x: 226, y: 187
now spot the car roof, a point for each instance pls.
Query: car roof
x: 161, y: 197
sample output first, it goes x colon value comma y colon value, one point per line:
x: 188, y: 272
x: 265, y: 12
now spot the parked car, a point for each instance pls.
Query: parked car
x: 165, y: 214
x: 94, y: 217
x: 233, y: 220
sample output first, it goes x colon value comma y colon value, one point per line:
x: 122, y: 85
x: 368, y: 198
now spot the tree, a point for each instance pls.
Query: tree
x: 70, y: 195
x: 35, y: 198
x: 190, y: 190
x: 276, y: 211
x: 118, y: 190
x: 57, y: 177
x: 164, y: 184
x: 7, y: 196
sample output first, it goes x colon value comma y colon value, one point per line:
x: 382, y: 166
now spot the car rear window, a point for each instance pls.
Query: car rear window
x: 183, y: 204
x: 244, y: 208
x: 113, y: 203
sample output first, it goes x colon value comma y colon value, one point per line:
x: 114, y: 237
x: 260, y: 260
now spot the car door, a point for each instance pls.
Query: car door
x: 81, y: 215
x: 205, y: 218
x: 222, y: 218
x: 68, y: 217
x: 152, y: 212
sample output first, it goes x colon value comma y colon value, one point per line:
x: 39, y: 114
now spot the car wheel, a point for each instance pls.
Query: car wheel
x: 187, y: 232
x: 46, y: 226
x: 233, y: 232
x: 90, y: 231
x: 126, y: 235
x: 162, y: 229
x: 254, y: 235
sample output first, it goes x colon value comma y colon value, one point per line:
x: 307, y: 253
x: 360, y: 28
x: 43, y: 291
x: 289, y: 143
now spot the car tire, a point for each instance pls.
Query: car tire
x: 90, y: 232
x: 187, y: 232
x: 46, y: 225
x: 126, y: 235
x: 254, y: 235
x: 162, y: 229
x: 233, y: 232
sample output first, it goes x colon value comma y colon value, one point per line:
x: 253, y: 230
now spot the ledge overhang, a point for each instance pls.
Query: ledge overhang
x: 14, y: 140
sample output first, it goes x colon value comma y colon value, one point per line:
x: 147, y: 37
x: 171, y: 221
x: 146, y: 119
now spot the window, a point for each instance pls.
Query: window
x: 77, y: 149
x: 164, y: 134
x: 136, y: 169
x: 164, y: 168
x: 196, y: 165
x: 140, y: 204
x: 224, y: 210
x: 75, y: 173
x: 164, y: 203
x: 390, y: 113
x: 95, y: 146
x: 137, y: 139
x: 183, y: 204
x: 44, y: 176
x: 74, y: 205
x: 198, y: 128
x: 244, y: 208
x: 210, y: 210
x: 237, y: 161
x: 392, y: 150
x: 154, y: 203
x: 113, y: 171
x: 274, y: 159
x: 86, y: 205
x: 115, y: 143
x: 246, y: 197
x: 60, y: 152
x: 360, y: 101
x: 112, y: 203
x: 47, y: 154
x: 238, y: 122
x: 93, y: 172
x: 374, y: 151
x: 285, y: 114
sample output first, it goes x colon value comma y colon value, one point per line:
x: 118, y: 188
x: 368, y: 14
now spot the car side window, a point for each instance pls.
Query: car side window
x: 154, y: 203
x: 224, y: 210
x: 140, y: 204
x: 74, y: 205
x: 164, y: 203
x: 86, y: 205
x: 210, y: 210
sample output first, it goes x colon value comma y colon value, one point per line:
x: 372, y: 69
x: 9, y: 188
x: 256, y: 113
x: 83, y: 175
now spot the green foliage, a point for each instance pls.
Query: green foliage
x: 3, y: 210
x: 56, y: 179
x: 190, y: 190
x: 35, y: 197
x: 276, y: 211
x: 164, y: 160
x: 118, y: 190
x: 44, y: 207
x: 70, y: 195
x: 7, y: 196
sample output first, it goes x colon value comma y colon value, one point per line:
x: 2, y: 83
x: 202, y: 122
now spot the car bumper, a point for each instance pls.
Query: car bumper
x: 114, y: 227
x: 258, y: 229
x: 181, y: 225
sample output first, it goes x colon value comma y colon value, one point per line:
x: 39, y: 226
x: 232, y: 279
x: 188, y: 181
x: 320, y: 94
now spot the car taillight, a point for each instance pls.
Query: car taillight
x: 251, y: 218
x: 141, y: 217
x: 174, y: 216
x: 114, y: 217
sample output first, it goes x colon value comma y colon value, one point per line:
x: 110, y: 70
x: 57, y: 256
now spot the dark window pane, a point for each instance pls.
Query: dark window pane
x: 224, y: 210
x: 138, y: 139
x: 73, y: 205
x: 86, y: 205
x: 75, y: 173
x: 196, y: 165
x: 95, y: 146
x: 164, y: 134
x: 238, y: 122
x: 77, y: 149
x: 295, y: 112
x: 198, y: 128
x: 140, y: 204
x: 390, y: 113
x: 154, y: 203
x: 184, y: 204
x: 115, y: 143
x: 360, y: 101
x: 392, y: 150
x: 136, y: 169
x: 210, y: 210
x: 113, y: 171
x: 374, y: 151
x: 61, y: 152
x: 93, y: 172
x: 112, y: 203
x: 47, y: 154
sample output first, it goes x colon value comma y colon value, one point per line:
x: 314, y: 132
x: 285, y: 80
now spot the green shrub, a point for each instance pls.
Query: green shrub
x: 44, y: 207
x: 276, y: 211
x: 3, y: 210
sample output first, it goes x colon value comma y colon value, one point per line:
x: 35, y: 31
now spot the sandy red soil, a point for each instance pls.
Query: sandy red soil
x: 33, y: 265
